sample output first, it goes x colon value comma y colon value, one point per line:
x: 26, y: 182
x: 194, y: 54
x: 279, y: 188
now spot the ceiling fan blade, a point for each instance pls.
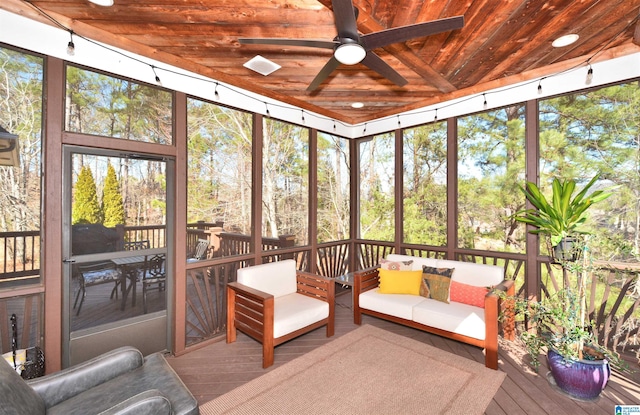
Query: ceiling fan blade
x: 311, y: 43
x: 375, y: 63
x: 345, y: 17
x: 402, y: 34
x: 324, y: 73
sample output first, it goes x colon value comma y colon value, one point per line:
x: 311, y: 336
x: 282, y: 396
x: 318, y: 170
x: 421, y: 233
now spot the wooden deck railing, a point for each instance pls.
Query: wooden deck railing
x: 613, y: 298
x: 240, y: 244
x: 155, y: 234
x: 20, y: 254
x: 614, y: 287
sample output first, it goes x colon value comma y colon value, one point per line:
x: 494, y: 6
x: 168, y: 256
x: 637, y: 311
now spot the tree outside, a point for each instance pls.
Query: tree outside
x: 86, y: 208
x: 112, y: 203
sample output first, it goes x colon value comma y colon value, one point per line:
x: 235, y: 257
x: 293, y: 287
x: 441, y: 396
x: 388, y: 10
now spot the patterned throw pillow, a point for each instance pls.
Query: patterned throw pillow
x: 468, y: 294
x: 396, y: 265
x: 436, y: 283
x: 399, y: 282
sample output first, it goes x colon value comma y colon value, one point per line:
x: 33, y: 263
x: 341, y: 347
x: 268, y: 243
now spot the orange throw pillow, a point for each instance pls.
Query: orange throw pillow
x: 468, y: 294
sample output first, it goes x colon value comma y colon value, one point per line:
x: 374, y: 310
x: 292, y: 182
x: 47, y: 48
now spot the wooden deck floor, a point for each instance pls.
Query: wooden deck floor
x: 218, y: 368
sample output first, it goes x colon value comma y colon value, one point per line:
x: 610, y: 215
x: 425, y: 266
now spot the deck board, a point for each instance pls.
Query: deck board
x: 218, y: 368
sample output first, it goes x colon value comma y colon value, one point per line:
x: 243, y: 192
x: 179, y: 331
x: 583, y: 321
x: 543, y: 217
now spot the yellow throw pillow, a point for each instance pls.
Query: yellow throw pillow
x: 399, y: 282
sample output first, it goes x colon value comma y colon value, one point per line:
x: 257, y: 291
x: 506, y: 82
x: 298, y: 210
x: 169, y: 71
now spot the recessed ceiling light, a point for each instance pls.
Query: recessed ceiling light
x: 261, y: 65
x: 102, y: 2
x: 565, y: 40
x: 357, y: 105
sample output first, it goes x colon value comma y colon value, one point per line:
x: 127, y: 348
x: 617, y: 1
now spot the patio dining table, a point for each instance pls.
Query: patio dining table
x: 129, y: 267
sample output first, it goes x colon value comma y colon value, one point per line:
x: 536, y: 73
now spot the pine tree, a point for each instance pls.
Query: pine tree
x: 86, y: 208
x: 112, y: 204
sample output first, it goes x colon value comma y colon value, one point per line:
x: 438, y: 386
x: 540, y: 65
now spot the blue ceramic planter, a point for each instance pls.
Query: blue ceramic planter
x: 582, y: 379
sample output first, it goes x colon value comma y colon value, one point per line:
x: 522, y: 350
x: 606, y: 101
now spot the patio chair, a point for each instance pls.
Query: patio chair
x: 200, y: 252
x: 134, y: 272
x: 96, y: 273
x: 274, y: 303
x: 154, y: 277
x: 137, y: 245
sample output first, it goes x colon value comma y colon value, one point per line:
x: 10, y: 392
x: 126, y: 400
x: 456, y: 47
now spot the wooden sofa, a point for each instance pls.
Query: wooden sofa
x: 471, y: 324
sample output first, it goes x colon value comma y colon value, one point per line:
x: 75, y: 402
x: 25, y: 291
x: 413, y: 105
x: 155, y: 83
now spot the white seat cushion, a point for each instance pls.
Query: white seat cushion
x: 295, y: 311
x: 398, y: 305
x: 454, y: 317
x: 100, y: 276
x: 275, y: 278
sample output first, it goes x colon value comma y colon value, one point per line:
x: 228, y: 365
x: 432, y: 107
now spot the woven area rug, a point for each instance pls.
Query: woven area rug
x: 367, y: 371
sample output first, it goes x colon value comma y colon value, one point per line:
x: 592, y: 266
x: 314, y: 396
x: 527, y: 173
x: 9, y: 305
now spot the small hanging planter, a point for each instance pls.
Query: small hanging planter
x: 567, y: 250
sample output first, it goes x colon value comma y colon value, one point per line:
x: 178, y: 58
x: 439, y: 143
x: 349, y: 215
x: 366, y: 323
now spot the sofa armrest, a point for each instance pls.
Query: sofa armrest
x: 151, y: 402
x: 254, y: 294
x: 506, y: 286
x: 60, y: 386
x: 500, y: 308
x: 316, y: 286
x: 250, y: 310
x: 363, y: 280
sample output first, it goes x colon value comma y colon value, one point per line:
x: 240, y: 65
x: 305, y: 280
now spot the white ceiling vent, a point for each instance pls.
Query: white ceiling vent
x: 261, y: 65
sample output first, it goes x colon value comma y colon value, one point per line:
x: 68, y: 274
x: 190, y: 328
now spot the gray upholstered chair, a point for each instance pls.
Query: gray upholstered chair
x: 121, y: 381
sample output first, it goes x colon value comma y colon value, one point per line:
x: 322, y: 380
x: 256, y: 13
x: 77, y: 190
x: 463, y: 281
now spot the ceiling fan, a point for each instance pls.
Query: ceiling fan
x: 351, y: 48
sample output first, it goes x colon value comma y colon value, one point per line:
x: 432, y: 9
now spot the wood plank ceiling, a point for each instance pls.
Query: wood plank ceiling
x: 502, y: 42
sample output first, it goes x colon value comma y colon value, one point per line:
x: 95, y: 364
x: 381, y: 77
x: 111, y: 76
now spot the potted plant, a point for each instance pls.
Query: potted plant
x: 560, y: 219
x: 578, y: 365
x: 558, y: 323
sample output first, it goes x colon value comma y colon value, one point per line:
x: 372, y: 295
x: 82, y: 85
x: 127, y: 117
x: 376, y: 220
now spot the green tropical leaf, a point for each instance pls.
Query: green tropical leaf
x: 566, y: 212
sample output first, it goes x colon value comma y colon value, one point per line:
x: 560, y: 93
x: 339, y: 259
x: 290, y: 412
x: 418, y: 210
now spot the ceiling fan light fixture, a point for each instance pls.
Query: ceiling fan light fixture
x: 349, y: 53
x: 565, y: 40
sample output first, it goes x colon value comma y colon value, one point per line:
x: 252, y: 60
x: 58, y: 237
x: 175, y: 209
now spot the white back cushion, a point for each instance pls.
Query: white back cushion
x: 480, y: 275
x: 418, y: 262
x: 276, y: 278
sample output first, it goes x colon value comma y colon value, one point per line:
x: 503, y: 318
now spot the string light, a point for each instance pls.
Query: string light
x: 153, y: 68
x: 589, y: 75
x: 215, y: 92
x: 399, y: 125
x: 485, y: 105
x: 303, y: 121
x: 267, y: 107
x: 435, y: 118
x: 71, y: 51
x: 71, y: 47
x: 365, y: 128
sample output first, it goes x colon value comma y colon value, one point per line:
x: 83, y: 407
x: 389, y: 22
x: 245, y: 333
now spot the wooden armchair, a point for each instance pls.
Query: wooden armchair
x: 274, y: 303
